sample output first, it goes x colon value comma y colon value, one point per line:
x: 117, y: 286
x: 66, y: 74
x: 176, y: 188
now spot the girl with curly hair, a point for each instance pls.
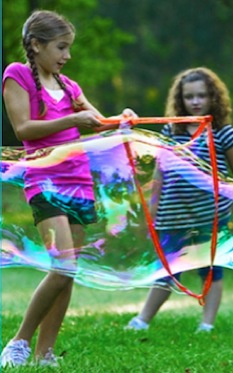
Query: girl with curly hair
x: 183, y: 213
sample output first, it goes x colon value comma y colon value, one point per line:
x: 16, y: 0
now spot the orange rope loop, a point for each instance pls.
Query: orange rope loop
x: 205, y: 121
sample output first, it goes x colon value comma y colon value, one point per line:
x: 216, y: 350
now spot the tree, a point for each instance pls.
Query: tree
x: 169, y: 36
x: 127, y: 52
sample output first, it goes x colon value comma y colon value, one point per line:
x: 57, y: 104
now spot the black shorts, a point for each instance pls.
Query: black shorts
x: 176, y: 239
x: 78, y: 210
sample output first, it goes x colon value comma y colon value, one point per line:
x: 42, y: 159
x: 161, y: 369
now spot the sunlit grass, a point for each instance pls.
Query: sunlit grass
x: 93, y: 339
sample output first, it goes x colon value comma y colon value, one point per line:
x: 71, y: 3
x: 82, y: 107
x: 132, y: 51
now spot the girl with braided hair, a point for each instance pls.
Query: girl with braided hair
x: 47, y: 109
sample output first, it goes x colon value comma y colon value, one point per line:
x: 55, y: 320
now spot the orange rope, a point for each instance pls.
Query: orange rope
x: 205, y: 121
x: 114, y: 123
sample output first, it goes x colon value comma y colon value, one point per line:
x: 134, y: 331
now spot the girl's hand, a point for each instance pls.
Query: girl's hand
x: 128, y: 113
x: 124, y: 117
x: 85, y: 119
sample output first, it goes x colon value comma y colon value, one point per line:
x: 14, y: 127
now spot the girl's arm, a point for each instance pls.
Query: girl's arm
x: 156, y: 192
x: 229, y: 156
x: 86, y: 105
x: 18, y: 109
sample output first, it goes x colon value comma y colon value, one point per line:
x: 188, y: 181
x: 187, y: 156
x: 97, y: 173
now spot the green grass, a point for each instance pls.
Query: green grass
x: 93, y: 339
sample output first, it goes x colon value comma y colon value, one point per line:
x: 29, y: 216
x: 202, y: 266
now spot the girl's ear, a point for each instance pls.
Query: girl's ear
x: 35, y: 45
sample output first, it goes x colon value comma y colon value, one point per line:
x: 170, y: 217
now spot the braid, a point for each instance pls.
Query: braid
x: 60, y: 82
x: 75, y: 105
x: 31, y: 59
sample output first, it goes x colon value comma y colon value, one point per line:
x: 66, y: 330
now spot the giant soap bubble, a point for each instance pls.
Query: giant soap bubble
x: 121, y: 250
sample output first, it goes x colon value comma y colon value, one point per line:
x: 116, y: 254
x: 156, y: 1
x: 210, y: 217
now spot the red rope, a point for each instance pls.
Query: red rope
x: 114, y: 123
x: 205, y: 121
x: 212, y: 152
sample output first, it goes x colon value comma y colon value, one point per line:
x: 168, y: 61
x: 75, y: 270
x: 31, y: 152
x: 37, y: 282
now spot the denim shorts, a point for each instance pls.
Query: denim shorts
x: 78, y: 210
x: 173, y: 241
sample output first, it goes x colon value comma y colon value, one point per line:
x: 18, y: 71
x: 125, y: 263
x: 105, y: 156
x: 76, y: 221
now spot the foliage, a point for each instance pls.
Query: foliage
x: 169, y: 37
x: 126, y: 53
x: 95, y: 53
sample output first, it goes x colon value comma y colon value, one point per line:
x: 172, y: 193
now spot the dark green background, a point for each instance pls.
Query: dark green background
x: 127, y: 51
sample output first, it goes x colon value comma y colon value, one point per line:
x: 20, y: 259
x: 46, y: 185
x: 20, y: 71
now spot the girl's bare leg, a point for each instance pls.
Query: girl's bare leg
x: 156, y: 298
x: 41, y: 303
x: 51, y: 324
x: 212, y: 302
x: 53, y: 290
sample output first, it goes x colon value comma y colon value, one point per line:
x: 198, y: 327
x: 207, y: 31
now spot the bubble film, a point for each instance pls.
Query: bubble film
x: 119, y: 250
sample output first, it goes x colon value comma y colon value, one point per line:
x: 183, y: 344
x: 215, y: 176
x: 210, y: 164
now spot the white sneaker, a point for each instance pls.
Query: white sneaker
x: 203, y: 327
x: 137, y: 324
x: 49, y: 359
x: 15, y: 353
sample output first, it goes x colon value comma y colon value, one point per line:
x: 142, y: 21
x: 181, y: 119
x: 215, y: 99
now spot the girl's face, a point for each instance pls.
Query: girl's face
x: 51, y: 57
x: 196, y: 98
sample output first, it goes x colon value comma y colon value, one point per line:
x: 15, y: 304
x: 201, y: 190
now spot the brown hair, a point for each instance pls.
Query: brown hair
x: 45, y: 26
x: 220, y: 103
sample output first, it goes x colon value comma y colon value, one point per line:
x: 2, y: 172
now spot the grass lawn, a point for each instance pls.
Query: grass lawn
x: 93, y: 339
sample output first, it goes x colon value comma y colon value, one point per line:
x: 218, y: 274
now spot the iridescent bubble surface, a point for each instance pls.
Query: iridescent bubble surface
x: 118, y: 252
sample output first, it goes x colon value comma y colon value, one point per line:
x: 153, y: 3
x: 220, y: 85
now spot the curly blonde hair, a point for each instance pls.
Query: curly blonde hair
x: 220, y: 103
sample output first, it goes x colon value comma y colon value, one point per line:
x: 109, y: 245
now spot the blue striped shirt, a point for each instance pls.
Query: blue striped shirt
x: 187, y: 196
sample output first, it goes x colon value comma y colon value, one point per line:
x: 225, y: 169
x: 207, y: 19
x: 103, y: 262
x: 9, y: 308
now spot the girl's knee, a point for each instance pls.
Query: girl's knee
x: 61, y: 281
